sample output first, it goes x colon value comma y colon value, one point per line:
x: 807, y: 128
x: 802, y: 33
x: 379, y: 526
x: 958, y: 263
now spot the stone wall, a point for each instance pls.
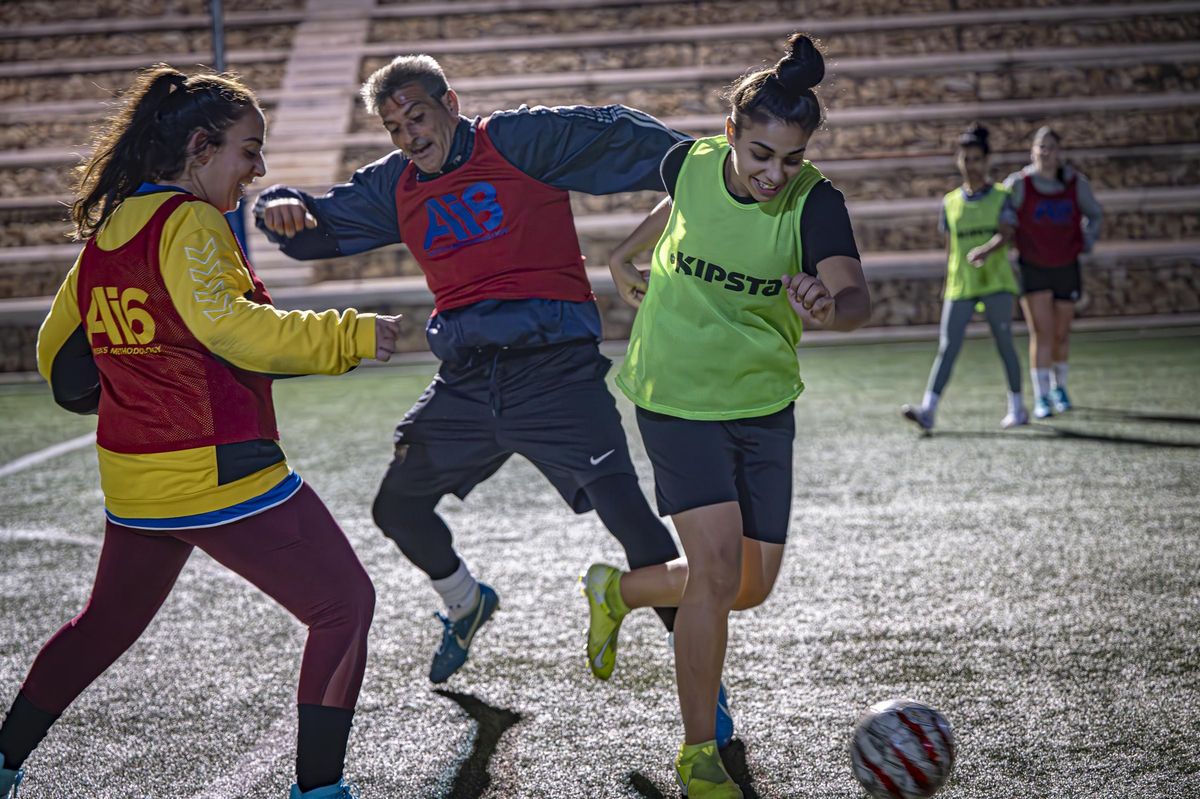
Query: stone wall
x: 107, y: 84
x: 1159, y: 286
x: 35, y: 12
x: 94, y: 45
x: 923, y: 137
x: 1131, y: 288
x: 890, y: 234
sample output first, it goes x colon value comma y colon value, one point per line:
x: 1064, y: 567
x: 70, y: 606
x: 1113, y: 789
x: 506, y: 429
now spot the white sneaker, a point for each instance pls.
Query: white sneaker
x: 1015, y: 418
x: 918, y: 415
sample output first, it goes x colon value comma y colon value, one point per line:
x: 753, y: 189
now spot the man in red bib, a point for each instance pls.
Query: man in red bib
x: 483, y: 205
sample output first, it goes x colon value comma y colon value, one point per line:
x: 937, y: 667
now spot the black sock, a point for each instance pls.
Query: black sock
x: 24, y: 728
x: 668, y: 617
x: 622, y: 507
x: 321, y: 748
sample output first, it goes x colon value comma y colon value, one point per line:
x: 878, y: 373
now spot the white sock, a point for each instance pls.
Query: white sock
x: 1041, y: 382
x: 930, y: 402
x: 460, y: 592
x: 1016, y: 403
x: 1060, y: 375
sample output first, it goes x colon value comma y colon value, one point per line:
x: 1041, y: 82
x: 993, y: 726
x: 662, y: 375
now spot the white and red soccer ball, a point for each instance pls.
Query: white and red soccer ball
x: 902, y: 750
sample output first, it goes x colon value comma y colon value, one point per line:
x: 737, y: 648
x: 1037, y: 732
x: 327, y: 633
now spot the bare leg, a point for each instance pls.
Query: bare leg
x: 712, y: 539
x: 1064, y: 314
x: 662, y: 585
x: 1039, y: 315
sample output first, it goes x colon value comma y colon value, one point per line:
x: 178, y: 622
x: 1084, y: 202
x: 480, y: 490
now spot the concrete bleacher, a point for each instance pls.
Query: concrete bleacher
x: 1119, y: 80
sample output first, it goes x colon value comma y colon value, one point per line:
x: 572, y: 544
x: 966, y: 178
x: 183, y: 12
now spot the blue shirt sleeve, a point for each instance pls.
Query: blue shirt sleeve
x: 351, y: 217
x: 595, y: 150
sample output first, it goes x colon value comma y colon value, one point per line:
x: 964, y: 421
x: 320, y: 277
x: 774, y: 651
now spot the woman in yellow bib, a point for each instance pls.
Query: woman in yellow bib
x: 979, y: 224
x: 752, y: 244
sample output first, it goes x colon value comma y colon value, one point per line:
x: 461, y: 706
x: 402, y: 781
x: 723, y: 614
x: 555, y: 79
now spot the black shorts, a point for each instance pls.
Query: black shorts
x: 1063, y: 281
x: 748, y: 461
x: 550, y: 405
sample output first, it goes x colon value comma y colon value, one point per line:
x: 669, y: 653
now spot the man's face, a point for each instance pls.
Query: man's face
x: 421, y: 126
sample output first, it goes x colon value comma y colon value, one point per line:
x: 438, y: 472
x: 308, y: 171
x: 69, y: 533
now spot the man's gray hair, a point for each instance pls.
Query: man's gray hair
x: 420, y: 69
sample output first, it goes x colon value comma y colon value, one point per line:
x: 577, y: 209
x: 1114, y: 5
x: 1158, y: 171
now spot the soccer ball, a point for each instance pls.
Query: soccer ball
x: 902, y: 750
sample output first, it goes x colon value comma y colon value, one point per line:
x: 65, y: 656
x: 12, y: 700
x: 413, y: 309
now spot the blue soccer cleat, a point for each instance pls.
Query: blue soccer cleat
x: 1042, y: 409
x: 10, y: 780
x: 339, y: 790
x: 1059, y: 400
x: 724, y: 727
x: 457, y: 635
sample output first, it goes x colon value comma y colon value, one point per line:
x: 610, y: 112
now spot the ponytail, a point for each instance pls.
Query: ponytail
x: 146, y: 139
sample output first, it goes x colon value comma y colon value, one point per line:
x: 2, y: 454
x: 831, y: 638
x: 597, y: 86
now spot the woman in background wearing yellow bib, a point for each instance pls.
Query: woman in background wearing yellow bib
x: 978, y: 225
x: 752, y: 244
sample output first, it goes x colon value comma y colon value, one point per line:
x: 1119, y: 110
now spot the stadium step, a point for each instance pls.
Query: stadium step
x: 411, y: 291
x: 321, y: 77
x: 958, y: 30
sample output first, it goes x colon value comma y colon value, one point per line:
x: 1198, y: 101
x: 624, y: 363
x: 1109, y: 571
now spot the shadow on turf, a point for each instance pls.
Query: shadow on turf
x: 734, y: 757
x: 1114, y: 413
x: 1042, y: 430
x: 472, y: 778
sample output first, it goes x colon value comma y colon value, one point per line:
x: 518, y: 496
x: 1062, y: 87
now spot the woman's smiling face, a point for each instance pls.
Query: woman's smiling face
x: 766, y: 155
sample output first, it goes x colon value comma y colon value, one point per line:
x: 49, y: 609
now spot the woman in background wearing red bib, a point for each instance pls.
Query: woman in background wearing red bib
x: 1058, y: 218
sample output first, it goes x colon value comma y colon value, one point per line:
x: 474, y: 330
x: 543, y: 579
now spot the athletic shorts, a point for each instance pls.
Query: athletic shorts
x: 748, y: 461
x: 1063, y: 281
x: 549, y: 404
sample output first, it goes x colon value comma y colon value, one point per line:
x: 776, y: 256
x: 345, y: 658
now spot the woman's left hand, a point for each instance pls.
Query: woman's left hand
x: 978, y: 256
x: 631, y: 282
x: 809, y: 297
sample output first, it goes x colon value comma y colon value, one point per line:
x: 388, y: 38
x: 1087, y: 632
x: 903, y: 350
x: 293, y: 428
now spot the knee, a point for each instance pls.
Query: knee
x: 383, y: 511
x: 717, y: 578
x: 361, y: 604
x: 353, y: 608
x: 394, y: 514
x: 751, y: 595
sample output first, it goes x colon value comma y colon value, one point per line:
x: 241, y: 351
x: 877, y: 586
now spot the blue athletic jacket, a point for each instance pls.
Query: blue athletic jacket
x: 595, y: 150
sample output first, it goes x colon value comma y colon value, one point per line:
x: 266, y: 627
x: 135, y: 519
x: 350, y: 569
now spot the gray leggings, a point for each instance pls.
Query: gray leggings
x: 998, y: 308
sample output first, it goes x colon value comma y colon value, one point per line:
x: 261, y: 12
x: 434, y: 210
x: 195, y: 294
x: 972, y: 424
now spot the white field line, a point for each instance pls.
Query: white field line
x: 34, y: 458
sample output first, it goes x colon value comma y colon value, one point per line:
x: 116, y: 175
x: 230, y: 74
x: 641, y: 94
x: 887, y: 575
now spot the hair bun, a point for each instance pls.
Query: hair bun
x: 978, y: 131
x: 803, y: 67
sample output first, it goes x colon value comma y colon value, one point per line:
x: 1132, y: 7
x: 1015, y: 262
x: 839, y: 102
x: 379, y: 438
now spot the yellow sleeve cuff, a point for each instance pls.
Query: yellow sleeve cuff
x: 364, y: 336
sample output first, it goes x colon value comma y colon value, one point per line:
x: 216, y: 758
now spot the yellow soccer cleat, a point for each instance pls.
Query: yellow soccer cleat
x: 702, y: 775
x: 601, y: 585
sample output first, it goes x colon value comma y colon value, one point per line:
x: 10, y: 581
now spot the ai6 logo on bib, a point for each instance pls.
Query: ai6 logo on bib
x: 457, y: 221
x: 119, y: 316
x: 1054, y: 212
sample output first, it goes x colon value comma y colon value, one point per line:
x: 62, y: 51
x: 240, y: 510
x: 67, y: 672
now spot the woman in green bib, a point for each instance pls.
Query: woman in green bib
x: 978, y: 224
x: 752, y: 244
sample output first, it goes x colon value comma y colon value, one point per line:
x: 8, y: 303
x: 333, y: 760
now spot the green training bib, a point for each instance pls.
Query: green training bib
x: 715, y: 337
x: 970, y: 224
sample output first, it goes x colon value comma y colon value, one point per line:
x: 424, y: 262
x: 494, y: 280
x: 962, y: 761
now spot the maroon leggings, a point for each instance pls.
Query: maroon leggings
x: 295, y: 553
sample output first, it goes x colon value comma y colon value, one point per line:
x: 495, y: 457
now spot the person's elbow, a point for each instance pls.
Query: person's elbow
x: 853, y: 308
x: 306, y: 245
